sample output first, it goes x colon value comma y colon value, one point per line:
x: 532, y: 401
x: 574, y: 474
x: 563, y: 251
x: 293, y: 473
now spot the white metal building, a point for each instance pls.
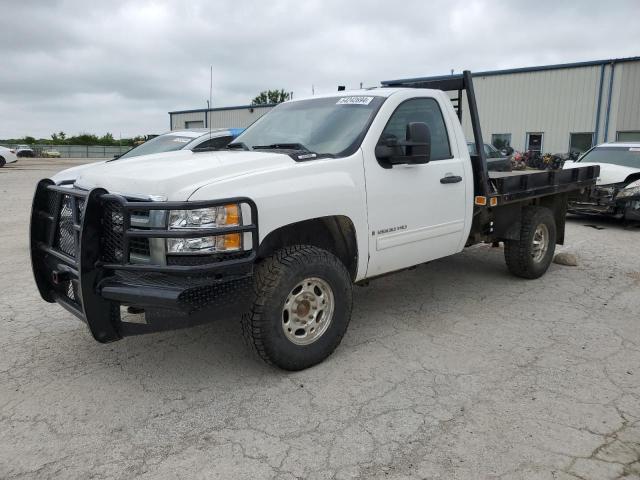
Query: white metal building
x: 558, y: 108
x: 552, y: 108
x: 226, y: 117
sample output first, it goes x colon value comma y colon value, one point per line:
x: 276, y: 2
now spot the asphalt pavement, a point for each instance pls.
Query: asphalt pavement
x: 454, y: 370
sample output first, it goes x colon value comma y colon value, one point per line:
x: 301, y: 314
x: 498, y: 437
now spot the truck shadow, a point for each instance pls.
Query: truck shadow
x: 215, y: 351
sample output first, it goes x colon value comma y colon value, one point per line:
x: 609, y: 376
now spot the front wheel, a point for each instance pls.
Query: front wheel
x: 531, y: 256
x: 2, y: 162
x: 301, y: 307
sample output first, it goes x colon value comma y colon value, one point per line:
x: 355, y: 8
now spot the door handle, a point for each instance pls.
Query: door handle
x: 451, y: 179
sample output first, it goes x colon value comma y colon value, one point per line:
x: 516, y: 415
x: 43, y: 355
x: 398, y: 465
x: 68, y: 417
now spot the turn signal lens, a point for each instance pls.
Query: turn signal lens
x: 232, y: 241
x: 229, y: 215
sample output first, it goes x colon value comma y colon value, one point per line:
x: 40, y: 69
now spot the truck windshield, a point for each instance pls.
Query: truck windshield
x: 332, y: 126
x: 624, y: 156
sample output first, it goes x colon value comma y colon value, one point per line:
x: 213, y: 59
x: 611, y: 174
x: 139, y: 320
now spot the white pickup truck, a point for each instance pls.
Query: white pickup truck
x: 316, y: 196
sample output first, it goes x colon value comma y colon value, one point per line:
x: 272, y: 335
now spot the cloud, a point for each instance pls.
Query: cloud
x: 121, y: 66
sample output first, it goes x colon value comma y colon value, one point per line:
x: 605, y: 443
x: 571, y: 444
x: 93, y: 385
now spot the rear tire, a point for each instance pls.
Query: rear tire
x: 531, y: 256
x: 301, y: 307
x: 3, y: 162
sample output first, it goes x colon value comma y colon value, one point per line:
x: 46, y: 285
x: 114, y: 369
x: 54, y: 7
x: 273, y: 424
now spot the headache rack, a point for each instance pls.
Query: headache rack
x: 498, y: 188
x: 83, y: 241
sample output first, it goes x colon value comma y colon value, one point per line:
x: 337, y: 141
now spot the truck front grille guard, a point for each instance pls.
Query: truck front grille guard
x: 78, y: 238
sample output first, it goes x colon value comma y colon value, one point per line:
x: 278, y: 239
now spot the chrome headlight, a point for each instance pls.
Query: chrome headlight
x: 211, y: 217
x: 630, y: 190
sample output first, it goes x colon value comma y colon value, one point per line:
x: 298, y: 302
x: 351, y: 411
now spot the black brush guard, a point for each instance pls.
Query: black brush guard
x: 80, y: 254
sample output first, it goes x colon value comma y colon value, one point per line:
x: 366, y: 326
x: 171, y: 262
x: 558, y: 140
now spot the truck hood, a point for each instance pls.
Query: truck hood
x: 172, y: 175
x: 609, y: 173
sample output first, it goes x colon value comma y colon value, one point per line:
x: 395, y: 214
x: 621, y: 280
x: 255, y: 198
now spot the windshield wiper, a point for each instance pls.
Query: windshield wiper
x: 236, y: 145
x: 282, y: 146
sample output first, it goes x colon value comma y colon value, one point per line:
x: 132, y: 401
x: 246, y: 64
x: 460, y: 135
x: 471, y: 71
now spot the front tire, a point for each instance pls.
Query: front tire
x: 531, y: 256
x: 3, y: 162
x: 301, y: 307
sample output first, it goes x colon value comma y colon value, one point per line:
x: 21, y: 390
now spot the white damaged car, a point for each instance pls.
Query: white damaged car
x: 617, y: 192
x: 7, y: 156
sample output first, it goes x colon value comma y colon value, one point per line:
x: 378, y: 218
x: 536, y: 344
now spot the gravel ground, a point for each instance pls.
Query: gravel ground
x: 453, y: 370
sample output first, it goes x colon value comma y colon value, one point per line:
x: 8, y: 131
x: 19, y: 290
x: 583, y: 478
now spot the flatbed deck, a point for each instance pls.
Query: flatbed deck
x: 518, y: 185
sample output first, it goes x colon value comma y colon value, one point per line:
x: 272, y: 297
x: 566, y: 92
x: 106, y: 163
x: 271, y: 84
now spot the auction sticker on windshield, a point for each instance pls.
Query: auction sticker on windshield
x: 354, y: 101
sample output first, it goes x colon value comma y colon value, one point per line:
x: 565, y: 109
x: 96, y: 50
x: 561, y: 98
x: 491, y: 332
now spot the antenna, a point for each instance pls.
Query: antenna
x: 313, y: 89
x: 210, y: 102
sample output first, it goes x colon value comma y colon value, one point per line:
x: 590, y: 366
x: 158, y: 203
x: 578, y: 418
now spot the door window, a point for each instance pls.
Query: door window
x: 424, y: 110
x: 534, y: 142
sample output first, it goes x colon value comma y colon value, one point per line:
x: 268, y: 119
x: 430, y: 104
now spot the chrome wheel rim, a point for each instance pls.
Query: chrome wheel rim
x: 540, y: 242
x: 307, y: 311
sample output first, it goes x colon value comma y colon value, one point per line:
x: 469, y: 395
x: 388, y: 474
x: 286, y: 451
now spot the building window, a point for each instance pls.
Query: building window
x: 501, y: 140
x: 194, y: 124
x: 628, y: 136
x: 580, y: 142
x: 534, y: 142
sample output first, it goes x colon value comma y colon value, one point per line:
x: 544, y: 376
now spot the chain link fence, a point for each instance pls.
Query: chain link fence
x: 76, y: 151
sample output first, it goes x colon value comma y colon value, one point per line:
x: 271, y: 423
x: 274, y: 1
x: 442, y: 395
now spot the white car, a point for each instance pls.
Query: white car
x: 7, y: 156
x: 617, y: 192
x: 197, y: 139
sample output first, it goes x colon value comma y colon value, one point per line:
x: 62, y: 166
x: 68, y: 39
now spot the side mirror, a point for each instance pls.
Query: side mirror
x: 418, y: 142
x: 416, y: 149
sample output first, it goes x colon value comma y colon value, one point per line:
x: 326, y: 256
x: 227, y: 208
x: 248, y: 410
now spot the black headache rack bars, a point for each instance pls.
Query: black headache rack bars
x: 460, y: 83
x: 82, y: 241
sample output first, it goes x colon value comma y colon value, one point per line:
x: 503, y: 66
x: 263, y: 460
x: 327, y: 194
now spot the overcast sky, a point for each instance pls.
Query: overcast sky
x: 120, y: 66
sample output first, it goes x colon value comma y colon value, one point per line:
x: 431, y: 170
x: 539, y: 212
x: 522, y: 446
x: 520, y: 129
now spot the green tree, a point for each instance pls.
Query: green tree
x: 271, y: 96
x: 62, y: 135
x: 107, y: 139
x: 84, y: 139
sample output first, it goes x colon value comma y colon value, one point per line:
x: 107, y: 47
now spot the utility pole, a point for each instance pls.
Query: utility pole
x: 210, y: 102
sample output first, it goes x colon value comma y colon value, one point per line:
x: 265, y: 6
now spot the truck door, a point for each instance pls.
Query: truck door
x: 416, y: 212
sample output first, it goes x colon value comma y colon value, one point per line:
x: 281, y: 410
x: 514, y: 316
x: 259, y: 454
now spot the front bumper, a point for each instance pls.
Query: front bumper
x: 605, y: 200
x: 83, y: 251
